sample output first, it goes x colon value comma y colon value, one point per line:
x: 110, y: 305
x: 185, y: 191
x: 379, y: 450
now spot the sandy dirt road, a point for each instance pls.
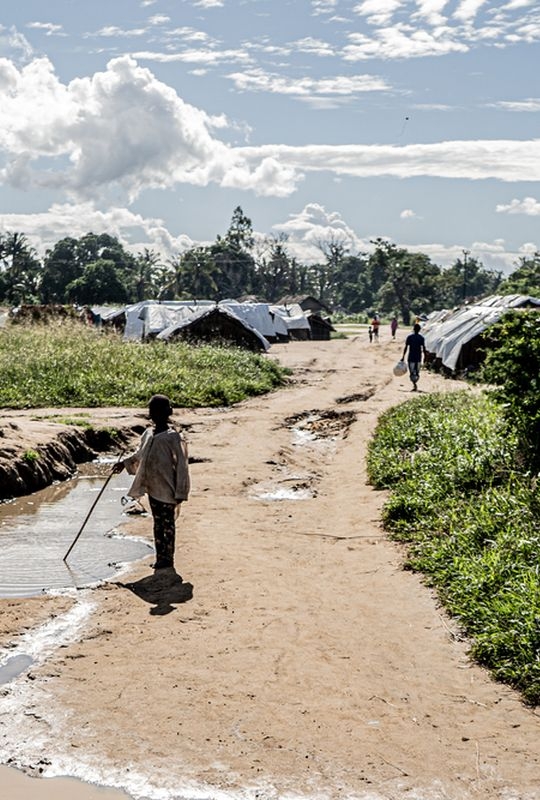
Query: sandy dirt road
x: 307, y: 661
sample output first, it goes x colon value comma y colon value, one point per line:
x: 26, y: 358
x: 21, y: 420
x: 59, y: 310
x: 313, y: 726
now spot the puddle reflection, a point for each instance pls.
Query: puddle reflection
x: 36, y: 532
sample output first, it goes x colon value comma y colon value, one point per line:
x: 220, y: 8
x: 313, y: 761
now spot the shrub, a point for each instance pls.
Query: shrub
x: 513, y: 366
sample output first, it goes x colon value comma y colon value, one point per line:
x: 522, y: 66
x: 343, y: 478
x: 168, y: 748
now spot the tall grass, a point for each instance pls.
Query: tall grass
x: 71, y: 365
x: 470, y: 521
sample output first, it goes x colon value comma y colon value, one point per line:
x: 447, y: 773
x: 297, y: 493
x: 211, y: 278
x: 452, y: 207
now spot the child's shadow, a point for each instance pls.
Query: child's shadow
x: 163, y: 590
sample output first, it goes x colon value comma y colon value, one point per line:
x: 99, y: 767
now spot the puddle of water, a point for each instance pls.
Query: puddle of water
x: 283, y: 493
x: 13, y: 667
x: 36, y: 531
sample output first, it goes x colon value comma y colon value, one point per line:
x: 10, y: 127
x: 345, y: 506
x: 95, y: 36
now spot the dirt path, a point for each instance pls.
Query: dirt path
x: 307, y: 662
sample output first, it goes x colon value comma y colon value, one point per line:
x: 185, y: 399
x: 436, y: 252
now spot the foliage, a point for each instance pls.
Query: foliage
x: 239, y: 264
x: 73, y: 366
x: 470, y: 521
x: 466, y: 279
x: 19, y: 270
x: 525, y: 279
x: 100, y: 282
x: 513, y: 365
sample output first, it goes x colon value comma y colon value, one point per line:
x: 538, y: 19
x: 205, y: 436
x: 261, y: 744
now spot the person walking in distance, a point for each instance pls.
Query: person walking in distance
x: 161, y: 471
x: 415, y: 345
x: 393, y: 326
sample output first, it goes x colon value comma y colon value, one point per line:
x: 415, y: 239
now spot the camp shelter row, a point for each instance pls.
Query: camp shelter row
x: 252, y: 325
x: 455, y: 339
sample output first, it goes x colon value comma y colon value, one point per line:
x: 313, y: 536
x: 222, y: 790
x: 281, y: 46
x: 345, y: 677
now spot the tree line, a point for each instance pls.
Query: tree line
x: 97, y: 269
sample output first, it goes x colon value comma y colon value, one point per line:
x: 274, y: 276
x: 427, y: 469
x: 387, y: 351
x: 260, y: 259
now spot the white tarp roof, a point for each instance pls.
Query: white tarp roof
x: 292, y: 315
x: 445, y: 336
x: 186, y: 316
x: 151, y: 316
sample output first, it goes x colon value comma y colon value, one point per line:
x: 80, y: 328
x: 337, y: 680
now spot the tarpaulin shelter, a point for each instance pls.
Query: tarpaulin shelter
x: 455, y: 338
x: 217, y: 323
x: 295, y: 320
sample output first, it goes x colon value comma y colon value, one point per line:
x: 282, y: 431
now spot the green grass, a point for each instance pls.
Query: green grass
x: 470, y: 521
x: 72, y: 366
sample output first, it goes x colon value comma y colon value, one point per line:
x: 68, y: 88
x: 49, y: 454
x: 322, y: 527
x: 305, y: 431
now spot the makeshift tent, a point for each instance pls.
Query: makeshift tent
x: 455, y: 339
x: 145, y: 320
x: 295, y: 320
x: 320, y: 327
x: 214, y: 324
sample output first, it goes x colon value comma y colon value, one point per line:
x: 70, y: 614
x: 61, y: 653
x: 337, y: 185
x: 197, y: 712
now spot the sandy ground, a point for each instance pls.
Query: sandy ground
x: 297, y: 657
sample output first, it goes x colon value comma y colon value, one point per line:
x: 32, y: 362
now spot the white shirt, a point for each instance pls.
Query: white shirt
x: 160, y: 466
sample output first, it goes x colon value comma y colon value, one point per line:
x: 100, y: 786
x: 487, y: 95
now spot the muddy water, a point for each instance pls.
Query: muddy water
x: 36, y: 532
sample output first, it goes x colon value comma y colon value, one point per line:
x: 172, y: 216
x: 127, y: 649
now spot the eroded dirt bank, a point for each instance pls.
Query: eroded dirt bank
x: 308, y: 661
x: 43, y: 446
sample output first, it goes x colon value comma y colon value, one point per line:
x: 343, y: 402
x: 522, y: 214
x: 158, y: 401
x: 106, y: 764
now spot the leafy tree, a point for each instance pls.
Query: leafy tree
x: 62, y: 266
x: 403, y: 280
x: 100, y: 282
x: 352, y: 291
x: 525, y: 279
x: 20, y: 269
x: 148, y: 274
x: 232, y: 257
x: 467, y: 279
x: 276, y: 271
x: 193, y: 275
x: 240, y: 233
x: 513, y: 365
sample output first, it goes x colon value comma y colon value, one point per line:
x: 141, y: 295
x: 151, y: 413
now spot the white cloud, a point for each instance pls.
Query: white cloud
x: 323, y: 6
x: 113, y: 32
x: 403, y: 41
x: 314, y: 226
x: 159, y: 19
x: 493, y: 255
x: 190, y: 35
x: 207, y: 56
x: 531, y: 104
x: 209, y: 3
x: 378, y: 12
x: 312, y: 46
x: 408, y: 213
x: 124, y: 130
x: 515, y: 4
x: 49, y: 28
x: 15, y: 44
x: 468, y: 9
x: 529, y: 206
x: 431, y: 11
x: 504, y: 160
x: 259, y: 81
x: 61, y: 220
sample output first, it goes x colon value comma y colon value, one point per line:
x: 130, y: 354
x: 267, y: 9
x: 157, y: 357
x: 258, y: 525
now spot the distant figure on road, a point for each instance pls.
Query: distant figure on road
x: 415, y: 344
x: 375, y: 325
x: 370, y: 333
x: 393, y: 327
x: 161, y: 471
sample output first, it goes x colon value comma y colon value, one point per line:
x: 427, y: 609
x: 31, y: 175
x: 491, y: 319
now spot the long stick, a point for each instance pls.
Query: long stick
x: 88, y: 515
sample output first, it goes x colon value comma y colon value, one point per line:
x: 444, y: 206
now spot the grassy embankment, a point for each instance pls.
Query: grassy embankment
x: 70, y: 365
x: 471, y: 523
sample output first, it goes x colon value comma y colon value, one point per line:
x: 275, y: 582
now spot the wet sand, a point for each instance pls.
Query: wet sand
x: 297, y: 657
x: 17, y: 786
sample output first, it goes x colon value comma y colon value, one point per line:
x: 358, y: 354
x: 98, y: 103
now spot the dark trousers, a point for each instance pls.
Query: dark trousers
x: 164, y: 515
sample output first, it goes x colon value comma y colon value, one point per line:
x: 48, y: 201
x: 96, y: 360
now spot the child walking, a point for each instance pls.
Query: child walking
x: 161, y: 471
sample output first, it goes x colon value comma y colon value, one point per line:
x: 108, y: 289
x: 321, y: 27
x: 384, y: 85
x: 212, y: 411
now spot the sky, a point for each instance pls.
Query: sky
x: 326, y: 120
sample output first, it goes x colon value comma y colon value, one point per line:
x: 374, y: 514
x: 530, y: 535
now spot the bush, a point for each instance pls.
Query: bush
x: 513, y: 366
